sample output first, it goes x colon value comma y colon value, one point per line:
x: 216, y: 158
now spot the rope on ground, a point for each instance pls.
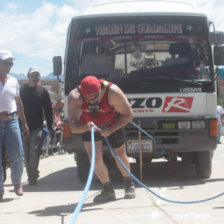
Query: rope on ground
x: 91, y: 172
x: 88, y: 183
x: 147, y: 188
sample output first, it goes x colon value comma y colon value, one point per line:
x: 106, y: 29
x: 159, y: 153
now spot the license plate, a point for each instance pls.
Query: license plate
x: 168, y: 126
x: 132, y: 145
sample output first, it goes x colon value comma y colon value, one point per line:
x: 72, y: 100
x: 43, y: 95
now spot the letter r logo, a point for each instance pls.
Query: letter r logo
x: 177, y: 104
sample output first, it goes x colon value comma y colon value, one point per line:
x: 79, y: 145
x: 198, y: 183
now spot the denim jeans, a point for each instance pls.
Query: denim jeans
x: 32, y: 150
x: 10, y: 136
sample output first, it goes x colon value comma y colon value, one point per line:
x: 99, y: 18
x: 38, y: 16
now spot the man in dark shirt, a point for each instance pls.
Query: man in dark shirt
x: 37, y: 105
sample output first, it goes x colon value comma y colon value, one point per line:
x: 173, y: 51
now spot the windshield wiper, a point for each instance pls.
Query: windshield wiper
x: 180, y: 80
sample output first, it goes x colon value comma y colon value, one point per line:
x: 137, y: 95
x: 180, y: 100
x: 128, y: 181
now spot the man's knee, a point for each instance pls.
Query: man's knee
x: 120, y: 151
x: 98, y: 160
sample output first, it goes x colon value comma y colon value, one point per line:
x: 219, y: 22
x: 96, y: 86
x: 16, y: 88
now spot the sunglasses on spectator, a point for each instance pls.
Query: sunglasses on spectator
x: 34, y: 74
x: 7, y: 63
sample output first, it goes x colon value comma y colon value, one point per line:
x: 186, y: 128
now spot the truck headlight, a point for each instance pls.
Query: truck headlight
x: 198, y: 124
x: 183, y: 125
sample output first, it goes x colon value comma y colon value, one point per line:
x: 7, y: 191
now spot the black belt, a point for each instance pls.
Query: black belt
x: 10, y: 114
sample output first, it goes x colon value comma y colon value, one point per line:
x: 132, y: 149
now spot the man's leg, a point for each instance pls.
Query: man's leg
x: 128, y: 182
x: 26, y: 149
x: 100, y: 167
x: 4, y: 160
x: 1, y: 161
x: 121, y: 153
x: 101, y: 171
x: 14, y: 149
x: 117, y: 141
x: 35, y: 147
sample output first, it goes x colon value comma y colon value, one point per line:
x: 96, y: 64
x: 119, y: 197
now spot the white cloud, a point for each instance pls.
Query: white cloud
x: 11, y: 6
x: 212, y: 8
x: 41, y: 34
x: 38, y: 34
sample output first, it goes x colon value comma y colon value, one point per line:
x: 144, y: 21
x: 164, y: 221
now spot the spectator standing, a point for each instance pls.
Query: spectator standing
x: 58, y: 106
x: 57, y: 140
x: 37, y: 105
x: 10, y: 134
x: 220, y: 114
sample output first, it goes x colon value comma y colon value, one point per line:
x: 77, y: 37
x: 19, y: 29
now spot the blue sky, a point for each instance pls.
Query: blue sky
x: 35, y: 30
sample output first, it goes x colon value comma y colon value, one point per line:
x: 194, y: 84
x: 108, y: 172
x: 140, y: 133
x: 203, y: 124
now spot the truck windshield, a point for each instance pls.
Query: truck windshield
x: 145, y: 59
x: 134, y: 54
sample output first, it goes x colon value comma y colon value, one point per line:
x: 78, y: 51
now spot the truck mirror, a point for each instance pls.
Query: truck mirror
x: 219, y: 55
x: 216, y: 38
x: 57, y: 65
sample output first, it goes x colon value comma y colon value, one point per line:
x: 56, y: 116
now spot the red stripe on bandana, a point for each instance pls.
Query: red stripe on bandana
x: 3, y: 81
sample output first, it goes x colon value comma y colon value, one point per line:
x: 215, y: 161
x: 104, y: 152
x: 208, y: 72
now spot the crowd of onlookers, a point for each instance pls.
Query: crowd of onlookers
x: 52, y: 143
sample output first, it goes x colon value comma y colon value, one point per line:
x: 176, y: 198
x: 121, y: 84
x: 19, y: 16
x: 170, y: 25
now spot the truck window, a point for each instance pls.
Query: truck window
x: 124, y: 57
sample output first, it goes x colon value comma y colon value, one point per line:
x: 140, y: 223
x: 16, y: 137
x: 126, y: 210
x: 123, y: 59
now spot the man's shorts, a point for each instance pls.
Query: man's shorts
x: 116, y: 139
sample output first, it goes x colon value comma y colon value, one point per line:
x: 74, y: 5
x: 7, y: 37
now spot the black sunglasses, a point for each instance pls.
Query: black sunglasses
x: 93, y: 98
x: 7, y: 63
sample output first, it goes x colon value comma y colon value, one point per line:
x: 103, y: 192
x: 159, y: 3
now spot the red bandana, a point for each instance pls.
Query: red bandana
x: 4, y: 80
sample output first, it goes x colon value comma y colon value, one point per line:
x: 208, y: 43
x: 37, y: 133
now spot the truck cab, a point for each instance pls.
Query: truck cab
x: 163, y: 55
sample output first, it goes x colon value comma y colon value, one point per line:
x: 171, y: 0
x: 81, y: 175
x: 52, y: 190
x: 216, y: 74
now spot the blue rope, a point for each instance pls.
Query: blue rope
x: 143, y: 131
x: 147, y: 188
x: 89, y: 180
x: 91, y: 172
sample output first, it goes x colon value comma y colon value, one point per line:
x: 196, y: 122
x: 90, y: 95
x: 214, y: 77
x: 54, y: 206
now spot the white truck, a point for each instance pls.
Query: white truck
x: 163, y: 55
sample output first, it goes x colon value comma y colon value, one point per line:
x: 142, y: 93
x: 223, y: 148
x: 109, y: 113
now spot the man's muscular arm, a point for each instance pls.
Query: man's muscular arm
x: 120, y: 103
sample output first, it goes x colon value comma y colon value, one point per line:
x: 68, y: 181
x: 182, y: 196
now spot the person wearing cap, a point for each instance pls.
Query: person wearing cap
x: 220, y: 115
x: 101, y: 104
x: 37, y: 106
x: 10, y: 133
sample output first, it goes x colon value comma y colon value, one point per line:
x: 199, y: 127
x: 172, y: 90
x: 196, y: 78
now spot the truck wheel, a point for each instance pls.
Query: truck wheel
x: 203, y: 164
x: 83, y: 165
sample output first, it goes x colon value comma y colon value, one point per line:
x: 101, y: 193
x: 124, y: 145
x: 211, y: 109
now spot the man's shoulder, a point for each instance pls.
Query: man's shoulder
x: 43, y: 89
x: 75, y: 97
x: 219, y: 107
x: 220, y: 110
x: 114, y: 89
x: 74, y: 93
x: 13, y: 79
x: 44, y: 92
x: 24, y: 87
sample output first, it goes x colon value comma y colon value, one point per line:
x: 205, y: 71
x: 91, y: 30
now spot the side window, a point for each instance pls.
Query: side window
x: 94, y: 60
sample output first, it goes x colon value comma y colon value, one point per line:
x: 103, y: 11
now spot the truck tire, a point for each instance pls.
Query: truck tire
x: 83, y: 166
x: 203, y: 164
